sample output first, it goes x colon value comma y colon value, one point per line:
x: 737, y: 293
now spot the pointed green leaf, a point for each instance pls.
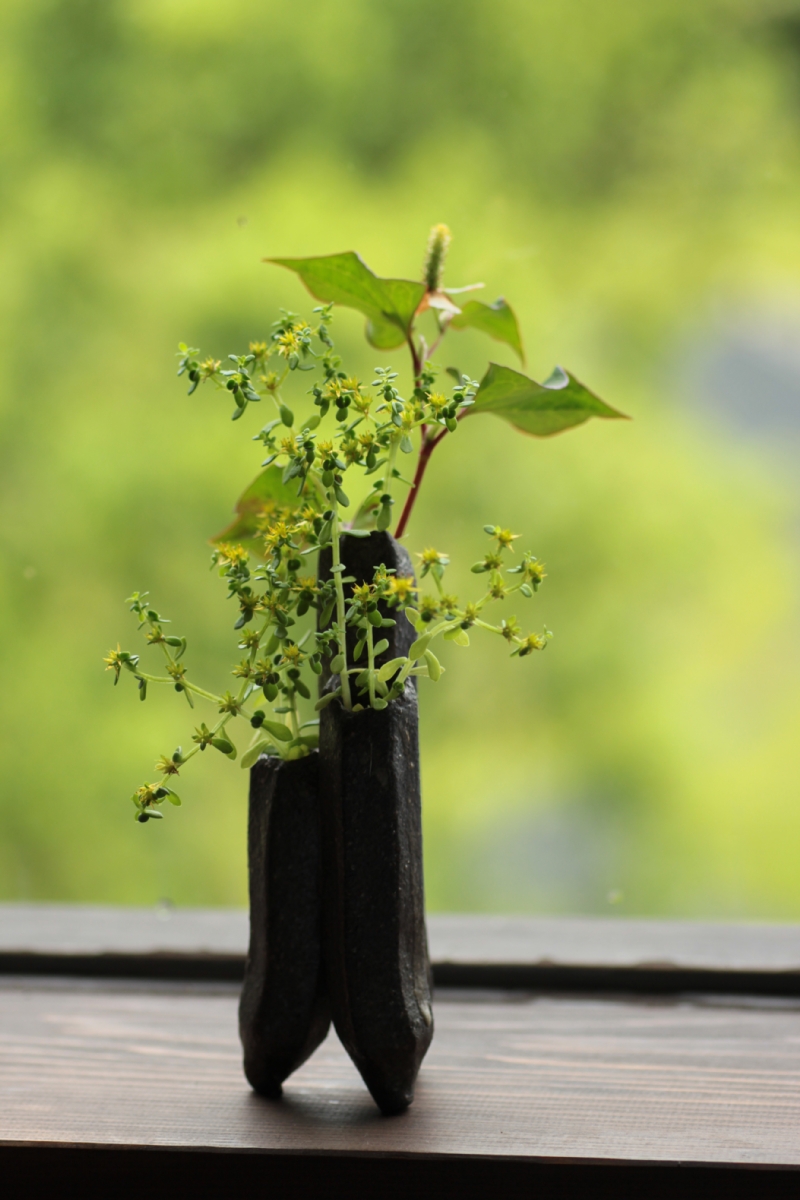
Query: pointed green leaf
x: 498, y: 320
x: 309, y: 740
x: 367, y: 513
x: 251, y: 757
x: 388, y: 304
x: 434, y: 666
x: 419, y: 647
x: 541, y: 409
x: 281, y: 732
x: 266, y: 493
x: 390, y: 668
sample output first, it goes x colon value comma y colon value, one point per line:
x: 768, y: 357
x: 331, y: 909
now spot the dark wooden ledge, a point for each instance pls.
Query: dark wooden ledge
x: 554, y: 954
x: 133, y: 1086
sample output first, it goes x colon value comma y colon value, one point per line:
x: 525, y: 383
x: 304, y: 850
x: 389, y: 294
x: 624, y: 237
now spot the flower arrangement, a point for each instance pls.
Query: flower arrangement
x: 299, y: 627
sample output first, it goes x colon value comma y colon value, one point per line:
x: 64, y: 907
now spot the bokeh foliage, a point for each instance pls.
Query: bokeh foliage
x: 618, y: 172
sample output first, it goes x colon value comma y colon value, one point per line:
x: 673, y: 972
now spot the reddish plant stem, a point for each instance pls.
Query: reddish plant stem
x: 429, y: 444
x: 427, y: 448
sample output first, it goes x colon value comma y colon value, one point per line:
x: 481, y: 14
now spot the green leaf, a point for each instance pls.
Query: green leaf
x: 541, y: 409
x: 390, y: 668
x: 498, y: 320
x: 251, y: 756
x: 224, y: 746
x: 388, y: 304
x: 458, y: 635
x: 419, y: 647
x: 367, y: 513
x: 434, y: 666
x: 309, y: 740
x: 266, y: 493
x: 281, y: 732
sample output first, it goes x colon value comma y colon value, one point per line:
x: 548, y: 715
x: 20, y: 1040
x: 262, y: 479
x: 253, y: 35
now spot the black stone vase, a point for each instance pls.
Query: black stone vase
x: 337, y: 919
x: 283, y: 1011
x: 374, y: 941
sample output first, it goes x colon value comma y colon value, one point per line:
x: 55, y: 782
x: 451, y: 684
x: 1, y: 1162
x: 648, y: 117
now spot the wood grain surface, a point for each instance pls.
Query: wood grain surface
x: 559, y: 1079
x: 467, y: 950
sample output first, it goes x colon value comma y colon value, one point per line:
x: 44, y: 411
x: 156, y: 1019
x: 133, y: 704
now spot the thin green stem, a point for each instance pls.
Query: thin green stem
x: 291, y: 716
x: 341, y: 629
x: 371, y: 666
x: 192, y: 687
x: 388, y: 477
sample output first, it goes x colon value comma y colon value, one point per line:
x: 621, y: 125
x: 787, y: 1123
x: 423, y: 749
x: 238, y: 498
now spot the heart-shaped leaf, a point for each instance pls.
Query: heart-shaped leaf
x: 541, y: 409
x: 388, y: 304
x: 266, y: 493
x: 498, y: 320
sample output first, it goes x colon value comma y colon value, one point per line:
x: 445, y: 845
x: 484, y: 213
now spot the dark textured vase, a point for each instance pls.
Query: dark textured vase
x: 283, y: 1011
x: 374, y: 939
x: 360, y: 557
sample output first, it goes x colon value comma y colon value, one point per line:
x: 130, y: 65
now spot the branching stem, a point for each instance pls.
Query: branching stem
x: 341, y: 629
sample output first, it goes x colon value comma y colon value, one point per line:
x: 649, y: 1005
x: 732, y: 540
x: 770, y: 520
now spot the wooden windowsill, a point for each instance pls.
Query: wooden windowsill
x: 545, y: 1087
x: 562, y: 953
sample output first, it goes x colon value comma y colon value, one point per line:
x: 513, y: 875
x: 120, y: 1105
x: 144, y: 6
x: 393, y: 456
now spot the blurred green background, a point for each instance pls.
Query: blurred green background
x: 628, y: 176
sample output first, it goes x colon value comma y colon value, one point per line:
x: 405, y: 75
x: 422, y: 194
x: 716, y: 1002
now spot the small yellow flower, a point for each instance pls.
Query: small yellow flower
x: 113, y: 661
x: 505, y: 537
x: 431, y: 557
x: 146, y: 794
x: 289, y: 342
x: 177, y: 671
x: 510, y: 629
x: 229, y: 554
x: 535, y: 572
x: 167, y: 765
x: 471, y: 614
x: 306, y: 584
x: 292, y: 655
x: 402, y: 588
x: 530, y: 643
x: 429, y: 607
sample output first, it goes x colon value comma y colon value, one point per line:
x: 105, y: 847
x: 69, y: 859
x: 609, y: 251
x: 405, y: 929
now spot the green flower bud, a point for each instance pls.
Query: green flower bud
x: 438, y: 245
